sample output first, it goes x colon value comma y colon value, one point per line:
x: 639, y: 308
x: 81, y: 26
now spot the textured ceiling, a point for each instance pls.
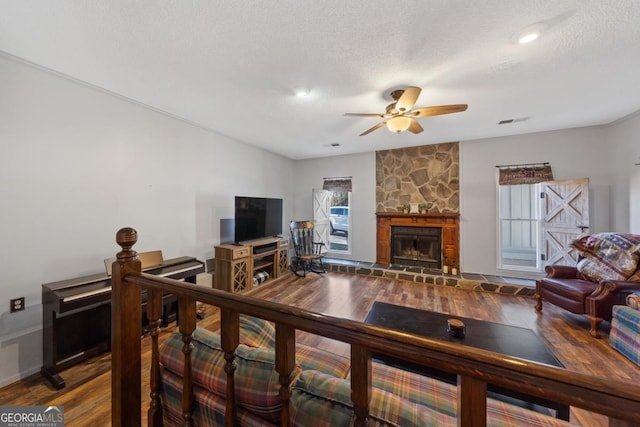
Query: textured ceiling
x: 233, y: 66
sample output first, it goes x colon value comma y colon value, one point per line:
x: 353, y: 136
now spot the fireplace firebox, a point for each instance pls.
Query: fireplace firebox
x: 446, y: 222
x: 417, y: 246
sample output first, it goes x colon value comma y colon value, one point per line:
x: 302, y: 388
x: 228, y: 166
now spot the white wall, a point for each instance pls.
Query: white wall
x: 362, y: 169
x: 77, y: 164
x: 572, y: 153
x: 623, y: 140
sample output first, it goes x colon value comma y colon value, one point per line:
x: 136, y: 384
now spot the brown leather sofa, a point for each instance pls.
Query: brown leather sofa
x: 569, y: 288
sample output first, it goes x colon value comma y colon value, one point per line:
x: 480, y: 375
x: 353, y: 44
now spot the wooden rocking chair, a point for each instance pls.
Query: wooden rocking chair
x: 308, y: 255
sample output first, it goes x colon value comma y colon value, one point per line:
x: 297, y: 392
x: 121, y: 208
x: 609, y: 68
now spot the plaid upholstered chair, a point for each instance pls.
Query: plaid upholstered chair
x: 308, y: 255
x: 625, y: 328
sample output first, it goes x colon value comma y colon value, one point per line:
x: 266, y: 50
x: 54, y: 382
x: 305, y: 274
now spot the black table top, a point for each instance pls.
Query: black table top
x: 509, y: 340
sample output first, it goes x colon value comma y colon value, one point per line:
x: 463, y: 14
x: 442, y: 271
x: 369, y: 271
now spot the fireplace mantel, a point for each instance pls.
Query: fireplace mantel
x: 449, y: 222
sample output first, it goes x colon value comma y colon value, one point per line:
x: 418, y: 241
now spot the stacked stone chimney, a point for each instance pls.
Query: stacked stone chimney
x: 426, y: 174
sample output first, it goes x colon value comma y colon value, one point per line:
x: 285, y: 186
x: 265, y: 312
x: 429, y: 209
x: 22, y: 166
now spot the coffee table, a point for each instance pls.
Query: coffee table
x: 513, y: 341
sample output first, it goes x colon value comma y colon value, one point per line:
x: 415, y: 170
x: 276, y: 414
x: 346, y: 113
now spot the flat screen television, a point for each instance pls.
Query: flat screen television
x: 256, y: 218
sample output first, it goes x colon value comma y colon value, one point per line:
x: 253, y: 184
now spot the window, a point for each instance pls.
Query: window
x: 519, y: 219
x: 339, y: 221
x: 331, y: 215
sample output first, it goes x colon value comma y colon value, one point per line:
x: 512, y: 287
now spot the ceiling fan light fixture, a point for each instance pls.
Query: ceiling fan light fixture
x: 401, y: 115
x: 407, y: 98
x: 398, y: 124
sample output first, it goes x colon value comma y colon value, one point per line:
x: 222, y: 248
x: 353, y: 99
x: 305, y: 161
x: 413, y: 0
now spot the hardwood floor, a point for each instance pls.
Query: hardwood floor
x: 86, y: 398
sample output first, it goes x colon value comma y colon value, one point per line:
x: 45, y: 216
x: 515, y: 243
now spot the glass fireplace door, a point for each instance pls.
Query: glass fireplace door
x: 416, y: 246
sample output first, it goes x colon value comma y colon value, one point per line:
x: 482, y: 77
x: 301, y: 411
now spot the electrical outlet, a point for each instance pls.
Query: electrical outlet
x: 16, y: 304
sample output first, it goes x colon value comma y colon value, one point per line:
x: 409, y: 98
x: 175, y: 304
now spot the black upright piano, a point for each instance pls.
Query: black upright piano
x: 76, y: 315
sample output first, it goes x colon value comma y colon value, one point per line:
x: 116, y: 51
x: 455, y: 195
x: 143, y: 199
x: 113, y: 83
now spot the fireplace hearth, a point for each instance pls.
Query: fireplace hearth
x: 416, y: 246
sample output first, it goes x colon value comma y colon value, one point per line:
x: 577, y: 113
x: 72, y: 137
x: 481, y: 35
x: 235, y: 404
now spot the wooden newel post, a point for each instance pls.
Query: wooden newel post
x: 126, y: 321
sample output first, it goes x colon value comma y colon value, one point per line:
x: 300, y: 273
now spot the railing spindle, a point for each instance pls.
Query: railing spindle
x: 187, y: 316
x: 229, y: 340
x: 285, y: 362
x: 154, y: 314
x: 360, y: 383
x: 472, y: 402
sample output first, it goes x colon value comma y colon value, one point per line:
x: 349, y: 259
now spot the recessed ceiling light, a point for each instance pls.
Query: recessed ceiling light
x: 528, y: 38
x: 530, y: 33
x: 302, y: 92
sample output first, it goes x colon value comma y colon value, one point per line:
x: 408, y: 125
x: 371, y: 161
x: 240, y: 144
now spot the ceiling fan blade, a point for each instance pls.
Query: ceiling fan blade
x: 365, y: 114
x: 415, y: 127
x: 408, y: 99
x: 438, y: 110
x: 368, y: 131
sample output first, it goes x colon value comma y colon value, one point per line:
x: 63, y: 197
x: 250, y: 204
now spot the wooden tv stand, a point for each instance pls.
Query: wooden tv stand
x: 236, y: 265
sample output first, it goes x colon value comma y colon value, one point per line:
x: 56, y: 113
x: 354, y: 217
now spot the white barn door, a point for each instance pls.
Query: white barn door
x: 321, y: 201
x: 565, y: 217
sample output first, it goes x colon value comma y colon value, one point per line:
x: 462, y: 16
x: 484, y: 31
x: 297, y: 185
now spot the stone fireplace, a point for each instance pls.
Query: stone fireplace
x: 427, y: 175
x: 428, y: 240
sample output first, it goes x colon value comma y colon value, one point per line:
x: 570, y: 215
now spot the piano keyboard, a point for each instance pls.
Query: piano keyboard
x: 86, y: 294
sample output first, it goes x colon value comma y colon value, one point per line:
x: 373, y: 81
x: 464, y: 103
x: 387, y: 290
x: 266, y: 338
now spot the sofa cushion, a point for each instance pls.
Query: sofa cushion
x: 208, y: 408
x: 502, y: 414
x: 322, y: 400
x: 256, y: 332
x: 608, y: 256
x: 315, y: 359
x: 416, y: 388
x: 443, y: 397
x: 256, y: 381
x: 573, y: 289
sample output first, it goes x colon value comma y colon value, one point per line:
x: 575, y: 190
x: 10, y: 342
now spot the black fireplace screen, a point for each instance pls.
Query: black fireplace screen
x: 417, y: 246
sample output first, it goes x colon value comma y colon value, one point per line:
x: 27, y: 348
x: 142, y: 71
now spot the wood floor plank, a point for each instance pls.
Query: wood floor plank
x: 87, y: 396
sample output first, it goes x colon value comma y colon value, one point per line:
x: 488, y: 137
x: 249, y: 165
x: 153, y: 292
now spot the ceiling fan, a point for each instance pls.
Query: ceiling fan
x: 401, y: 117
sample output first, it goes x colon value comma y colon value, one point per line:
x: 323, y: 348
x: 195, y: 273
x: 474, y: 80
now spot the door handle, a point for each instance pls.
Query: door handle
x: 583, y: 227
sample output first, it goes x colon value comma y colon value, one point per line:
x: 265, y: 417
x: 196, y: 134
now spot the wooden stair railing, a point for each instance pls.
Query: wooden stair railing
x: 475, y: 368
